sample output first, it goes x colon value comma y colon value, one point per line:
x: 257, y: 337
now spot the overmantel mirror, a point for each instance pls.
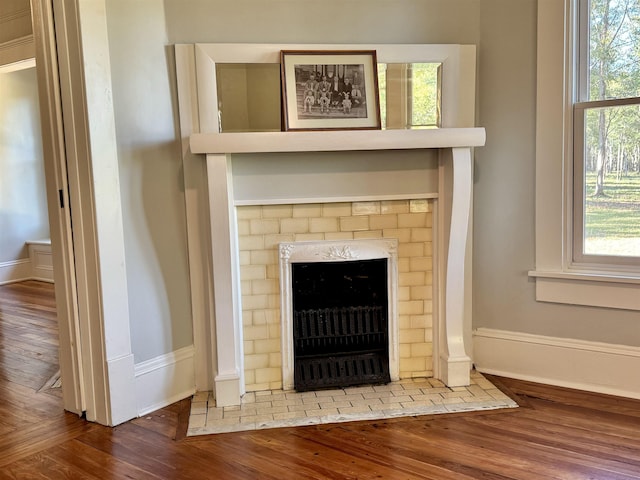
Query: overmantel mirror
x: 421, y: 86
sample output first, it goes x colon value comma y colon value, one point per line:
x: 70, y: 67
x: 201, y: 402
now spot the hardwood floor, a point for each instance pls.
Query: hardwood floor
x: 556, y: 433
x: 29, y: 333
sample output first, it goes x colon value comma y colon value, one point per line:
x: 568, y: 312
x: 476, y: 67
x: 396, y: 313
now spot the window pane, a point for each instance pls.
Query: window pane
x: 612, y: 181
x: 614, y: 49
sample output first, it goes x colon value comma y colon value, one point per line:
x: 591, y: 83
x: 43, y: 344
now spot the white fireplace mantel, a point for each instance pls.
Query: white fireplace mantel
x: 211, y: 222
x: 334, y: 141
x: 455, y: 145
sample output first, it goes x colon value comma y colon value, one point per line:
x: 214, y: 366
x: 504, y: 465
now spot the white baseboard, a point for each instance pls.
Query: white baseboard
x: 122, y: 382
x: 164, y: 380
x: 15, y: 271
x: 41, y: 260
x: 39, y: 265
x: 591, y: 366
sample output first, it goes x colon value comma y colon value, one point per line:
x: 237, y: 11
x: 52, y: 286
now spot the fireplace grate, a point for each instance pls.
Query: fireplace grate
x: 339, y: 347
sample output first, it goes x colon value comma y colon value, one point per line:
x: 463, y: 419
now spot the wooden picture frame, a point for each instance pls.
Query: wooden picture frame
x: 330, y: 90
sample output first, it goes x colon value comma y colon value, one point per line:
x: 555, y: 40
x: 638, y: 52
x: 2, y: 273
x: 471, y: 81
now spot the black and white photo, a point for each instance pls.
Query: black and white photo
x: 330, y: 90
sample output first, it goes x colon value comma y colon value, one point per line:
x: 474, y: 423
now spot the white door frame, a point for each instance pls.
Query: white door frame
x: 96, y: 361
x: 53, y: 142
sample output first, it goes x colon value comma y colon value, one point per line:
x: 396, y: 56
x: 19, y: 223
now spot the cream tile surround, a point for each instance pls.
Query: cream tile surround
x: 261, y: 229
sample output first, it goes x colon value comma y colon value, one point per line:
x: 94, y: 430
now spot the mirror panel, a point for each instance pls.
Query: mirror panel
x: 410, y: 95
x: 249, y: 96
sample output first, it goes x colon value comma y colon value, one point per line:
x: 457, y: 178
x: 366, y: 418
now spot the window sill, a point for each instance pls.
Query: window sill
x: 593, y: 289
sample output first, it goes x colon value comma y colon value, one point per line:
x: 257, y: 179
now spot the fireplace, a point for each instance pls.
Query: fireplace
x: 242, y: 322
x: 336, y: 299
x: 340, y: 324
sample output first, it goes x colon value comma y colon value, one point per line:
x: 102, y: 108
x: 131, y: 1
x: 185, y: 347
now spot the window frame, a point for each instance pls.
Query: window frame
x: 581, y: 105
x: 558, y: 278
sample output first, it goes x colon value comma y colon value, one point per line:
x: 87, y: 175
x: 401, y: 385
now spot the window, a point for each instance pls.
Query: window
x: 606, y: 124
x: 566, y: 117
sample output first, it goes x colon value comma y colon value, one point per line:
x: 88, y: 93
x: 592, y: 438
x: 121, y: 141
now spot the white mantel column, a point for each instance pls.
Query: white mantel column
x: 226, y: 331
x: 455, y: 364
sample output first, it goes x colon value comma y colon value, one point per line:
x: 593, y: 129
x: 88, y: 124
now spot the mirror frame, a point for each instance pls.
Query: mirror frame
x: 458, y: 73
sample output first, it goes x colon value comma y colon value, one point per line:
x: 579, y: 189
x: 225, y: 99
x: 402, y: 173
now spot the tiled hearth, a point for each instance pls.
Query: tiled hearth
x: 278, y: 408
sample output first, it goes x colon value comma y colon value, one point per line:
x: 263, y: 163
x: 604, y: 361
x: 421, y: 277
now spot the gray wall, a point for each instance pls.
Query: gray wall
x: 151, y: 181
x: 299, y: 21
x: 141, y: 34
x: 23, y: 204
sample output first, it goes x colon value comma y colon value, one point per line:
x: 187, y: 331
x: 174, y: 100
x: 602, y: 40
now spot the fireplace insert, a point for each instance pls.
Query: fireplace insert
x: 340, y: 324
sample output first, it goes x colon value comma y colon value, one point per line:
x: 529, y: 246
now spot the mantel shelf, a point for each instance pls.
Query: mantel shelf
x: 336, y: 140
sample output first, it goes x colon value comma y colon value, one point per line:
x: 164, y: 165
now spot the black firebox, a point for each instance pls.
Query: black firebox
x: 340, y: 324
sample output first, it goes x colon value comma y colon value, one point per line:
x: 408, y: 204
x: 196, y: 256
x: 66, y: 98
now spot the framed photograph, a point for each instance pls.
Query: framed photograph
x: 330, y: 90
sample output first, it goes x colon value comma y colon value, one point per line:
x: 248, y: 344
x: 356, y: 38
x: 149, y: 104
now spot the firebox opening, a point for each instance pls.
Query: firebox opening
x: 340, y: 324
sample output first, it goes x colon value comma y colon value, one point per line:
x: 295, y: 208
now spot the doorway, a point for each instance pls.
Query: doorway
x: 27, y: 302
x: 35, y: 177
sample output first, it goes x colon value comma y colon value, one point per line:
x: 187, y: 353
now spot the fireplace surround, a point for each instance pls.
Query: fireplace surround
x: 219, y: 186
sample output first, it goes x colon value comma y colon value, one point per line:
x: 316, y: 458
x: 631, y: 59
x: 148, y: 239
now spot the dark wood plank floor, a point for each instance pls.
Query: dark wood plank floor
x: 28, y: 333
x: 556, y: 433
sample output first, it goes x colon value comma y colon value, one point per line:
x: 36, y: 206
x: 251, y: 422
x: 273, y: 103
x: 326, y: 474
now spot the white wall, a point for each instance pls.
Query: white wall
x: 23, y: 205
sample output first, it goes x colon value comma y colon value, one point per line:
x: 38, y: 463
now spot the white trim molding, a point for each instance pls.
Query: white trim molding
x: 164, y: 380
x: 583, y: 365
x: 81, y: 161
x: 16, y: 51
x: 590, y: 289
x: 15, y: 271
x: 120, y: 372
x: 41, y: 260
x: 39, y: 265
